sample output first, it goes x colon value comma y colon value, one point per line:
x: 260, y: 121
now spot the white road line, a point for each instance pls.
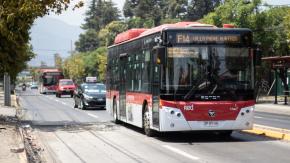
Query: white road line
x: 178, y: 151
x: 92, y: 115
x: 259, y: 117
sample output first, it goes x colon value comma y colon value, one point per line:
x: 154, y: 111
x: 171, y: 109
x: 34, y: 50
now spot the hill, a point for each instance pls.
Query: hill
x: 50, y: 36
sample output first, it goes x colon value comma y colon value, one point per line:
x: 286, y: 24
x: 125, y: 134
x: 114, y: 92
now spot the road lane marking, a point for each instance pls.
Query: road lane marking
x: 259, y: 117
x: 178, y: 151
x: 92, y: 115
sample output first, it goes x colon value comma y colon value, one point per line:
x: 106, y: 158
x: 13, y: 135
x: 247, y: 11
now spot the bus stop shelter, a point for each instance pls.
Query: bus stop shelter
x: 280, y: 64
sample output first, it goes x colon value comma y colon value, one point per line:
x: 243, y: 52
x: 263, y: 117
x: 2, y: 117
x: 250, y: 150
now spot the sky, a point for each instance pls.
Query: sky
x: 77, y: 17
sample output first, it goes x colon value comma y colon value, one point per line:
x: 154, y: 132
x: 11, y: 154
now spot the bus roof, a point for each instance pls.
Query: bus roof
x: 133, y: 34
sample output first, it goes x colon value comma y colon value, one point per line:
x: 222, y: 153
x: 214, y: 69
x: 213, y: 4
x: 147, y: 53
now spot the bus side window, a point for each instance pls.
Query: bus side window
x: 145, y: 69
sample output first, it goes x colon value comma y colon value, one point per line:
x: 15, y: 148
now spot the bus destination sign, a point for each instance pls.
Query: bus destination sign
x: 195, y: 38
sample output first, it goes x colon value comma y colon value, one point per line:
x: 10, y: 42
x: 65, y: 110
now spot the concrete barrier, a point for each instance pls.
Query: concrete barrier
x: 272, y: 132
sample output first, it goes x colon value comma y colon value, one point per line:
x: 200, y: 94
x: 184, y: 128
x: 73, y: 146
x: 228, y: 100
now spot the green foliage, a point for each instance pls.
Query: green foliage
x: 107, y: 35
x: 175, y: 9
x: 268, y: 24
x: 74, y: 66
x: 287, y: 26
x: 198, y: 8
x: 88, y: 41
x: 16, y: 19
x: 85, y: 64
x: 100, y: 13
x: 235, y: 12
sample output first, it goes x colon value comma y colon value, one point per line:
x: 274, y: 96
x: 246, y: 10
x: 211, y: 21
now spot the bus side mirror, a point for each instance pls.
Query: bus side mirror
x: 159, y: 55
x: 257, y: 57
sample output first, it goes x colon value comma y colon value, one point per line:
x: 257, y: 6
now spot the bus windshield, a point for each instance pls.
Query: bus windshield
x: 49, y: 80
x: 207, y: 69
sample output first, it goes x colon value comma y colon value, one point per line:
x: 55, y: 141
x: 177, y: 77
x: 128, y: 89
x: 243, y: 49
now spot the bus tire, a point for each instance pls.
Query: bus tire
x: 116, y: 120
x: 146, y: 122
x: 225, y: 134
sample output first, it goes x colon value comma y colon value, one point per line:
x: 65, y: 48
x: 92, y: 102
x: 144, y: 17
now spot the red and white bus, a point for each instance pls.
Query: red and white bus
x: 182, y: 77
x: 48, y: 79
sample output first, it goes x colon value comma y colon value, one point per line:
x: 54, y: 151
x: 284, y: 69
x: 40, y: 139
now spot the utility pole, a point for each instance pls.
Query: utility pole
x: 7, y: 93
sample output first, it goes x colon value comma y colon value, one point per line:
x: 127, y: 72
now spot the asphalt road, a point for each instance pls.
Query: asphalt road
x: 272, y: 120
x: 92, y: 137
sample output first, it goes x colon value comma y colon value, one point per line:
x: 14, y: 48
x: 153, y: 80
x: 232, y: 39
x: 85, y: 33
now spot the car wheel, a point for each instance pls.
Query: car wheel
x: 116, y: 120
x: 59, y: 95
x: 146, y: 122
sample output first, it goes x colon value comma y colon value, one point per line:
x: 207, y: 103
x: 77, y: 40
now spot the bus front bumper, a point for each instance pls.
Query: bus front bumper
x: 172, y: 122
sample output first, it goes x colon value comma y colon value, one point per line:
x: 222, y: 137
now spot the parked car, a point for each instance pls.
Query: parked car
x: 90, y: 95
x: 65, y: 87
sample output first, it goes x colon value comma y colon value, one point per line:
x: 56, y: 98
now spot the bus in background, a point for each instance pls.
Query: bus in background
x: 48, y: 79
x: 186, y: 76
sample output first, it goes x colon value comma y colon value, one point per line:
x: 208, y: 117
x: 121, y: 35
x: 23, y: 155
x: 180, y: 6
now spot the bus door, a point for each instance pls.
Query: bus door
x: 156, y: 76
x: 122, y: 86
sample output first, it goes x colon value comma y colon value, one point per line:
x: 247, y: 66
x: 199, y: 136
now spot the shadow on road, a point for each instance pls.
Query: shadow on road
x: 202, y: 136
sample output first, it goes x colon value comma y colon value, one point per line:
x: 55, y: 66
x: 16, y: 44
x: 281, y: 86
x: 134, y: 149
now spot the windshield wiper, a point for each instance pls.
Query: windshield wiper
x: 201, y: 84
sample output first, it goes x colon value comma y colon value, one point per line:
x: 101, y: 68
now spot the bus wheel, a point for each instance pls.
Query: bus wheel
x: 225, y: 134
x: 146, y: 122
x: 116, y: 120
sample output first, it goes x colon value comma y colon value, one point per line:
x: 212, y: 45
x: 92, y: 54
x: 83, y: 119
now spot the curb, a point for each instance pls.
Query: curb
x: 276, y: 133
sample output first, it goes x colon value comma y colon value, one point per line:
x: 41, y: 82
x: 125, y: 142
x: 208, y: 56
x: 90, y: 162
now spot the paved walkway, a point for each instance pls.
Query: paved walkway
x: 11, y: 142
x: 273, y: 108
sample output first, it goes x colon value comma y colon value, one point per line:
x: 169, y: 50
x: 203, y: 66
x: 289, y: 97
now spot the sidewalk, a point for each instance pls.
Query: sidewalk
x: 279, y: 108
x: 12, y: 146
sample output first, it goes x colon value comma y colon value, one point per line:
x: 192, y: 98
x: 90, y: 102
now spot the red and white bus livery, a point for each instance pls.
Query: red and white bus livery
x: 182, y: 77
x: 48, y: 80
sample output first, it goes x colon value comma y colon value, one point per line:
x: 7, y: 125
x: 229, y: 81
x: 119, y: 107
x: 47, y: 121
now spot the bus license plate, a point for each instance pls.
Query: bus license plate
x: 211, y: 123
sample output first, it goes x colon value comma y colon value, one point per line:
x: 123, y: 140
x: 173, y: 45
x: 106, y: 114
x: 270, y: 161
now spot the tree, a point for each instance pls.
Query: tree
x: 128, y: 9
x: 91, y: 20
x: 287, y: 25
x: 198, y: 8
x: 175, y: 9
x: 16, y: 19
x: 88, y: 41
x: 100, y: 14
x: 107, y: 35
x: 74, y: 67
x: 102, y: 62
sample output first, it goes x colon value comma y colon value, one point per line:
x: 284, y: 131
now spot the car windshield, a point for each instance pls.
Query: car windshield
x: 67, y: 82
x: 94, y: 88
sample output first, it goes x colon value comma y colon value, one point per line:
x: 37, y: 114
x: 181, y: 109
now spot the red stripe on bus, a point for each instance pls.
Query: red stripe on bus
x: 199, y: 111
x: 138, y: 98
x: 132, y: 97
x: 111, y: 94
